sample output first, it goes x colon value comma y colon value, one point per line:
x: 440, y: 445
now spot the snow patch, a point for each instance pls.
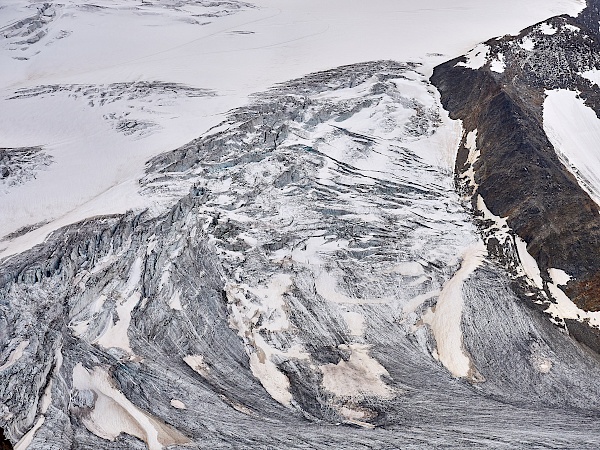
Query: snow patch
x: 559, y: 277
x: 564, y: 308
x: 527, y: 44
x: 115, y: 334
x: 273, y: 304
x: 528, y: 263
x: 572, y: 28
x: 114, y: 414
x: 541, y: 364
x: 196, y: 362
x: 175, y: 301
x: 592, y: 75
x: 274, y: 382
x: 27, y: 439
x: 178, y: 404
x: 15, y: 355
x: 473, y: 156
x: 445, y: 321
x: 498, y: 65
x: 544, y: 366
x: 355, y: 323
x: 574, y: 130
x: 414, y: 303
x: 476, y: 58
x: 249, y: 318
x: 408, y: 269
x: 471, y: 142
x: 548, y: 29
x: 46, y: 399
x: 499, y: 225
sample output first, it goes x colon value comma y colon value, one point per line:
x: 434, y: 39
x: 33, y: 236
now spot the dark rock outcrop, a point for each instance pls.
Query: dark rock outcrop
x: 4, y: 443
x: 518, y: 173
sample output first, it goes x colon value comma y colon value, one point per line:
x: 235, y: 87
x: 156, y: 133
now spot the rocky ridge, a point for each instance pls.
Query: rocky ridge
x: 508, y: 167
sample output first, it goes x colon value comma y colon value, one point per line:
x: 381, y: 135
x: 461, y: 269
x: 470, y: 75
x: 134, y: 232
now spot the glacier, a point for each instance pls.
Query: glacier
x: 247, y: 225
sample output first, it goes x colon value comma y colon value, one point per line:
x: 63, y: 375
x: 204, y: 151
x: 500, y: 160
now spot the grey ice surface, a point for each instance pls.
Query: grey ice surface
x: 257, y: 267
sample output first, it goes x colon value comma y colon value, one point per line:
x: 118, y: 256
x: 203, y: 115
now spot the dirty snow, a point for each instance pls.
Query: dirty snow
x: 15, y: 355
x: 114, y: 414
x: 445, y: 318
x: 196, y: 362
x: 358, y: 377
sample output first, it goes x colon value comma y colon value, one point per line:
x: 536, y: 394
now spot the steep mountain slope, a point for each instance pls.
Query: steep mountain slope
x: 517, y: 164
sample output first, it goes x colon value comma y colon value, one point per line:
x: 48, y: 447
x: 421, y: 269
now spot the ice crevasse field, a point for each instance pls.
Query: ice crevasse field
x: 270, y: 189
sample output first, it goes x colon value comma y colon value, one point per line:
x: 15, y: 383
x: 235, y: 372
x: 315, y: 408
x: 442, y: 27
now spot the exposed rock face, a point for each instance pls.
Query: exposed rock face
x: 512, y: 165
x: 284, y: 293
x: 4, y: 443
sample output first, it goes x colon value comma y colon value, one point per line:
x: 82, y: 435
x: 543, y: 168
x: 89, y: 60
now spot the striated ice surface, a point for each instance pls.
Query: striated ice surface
x: 305, y: 274
x: 281, y: 300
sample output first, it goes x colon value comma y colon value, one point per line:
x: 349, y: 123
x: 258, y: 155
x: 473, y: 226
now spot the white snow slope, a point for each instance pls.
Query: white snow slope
x: 99, y: 128
x: 574, y: 131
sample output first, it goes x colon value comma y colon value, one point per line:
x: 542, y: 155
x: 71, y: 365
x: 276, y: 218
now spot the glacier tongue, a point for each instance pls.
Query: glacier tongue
x: 284, y: 293
x: 333, y: 184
